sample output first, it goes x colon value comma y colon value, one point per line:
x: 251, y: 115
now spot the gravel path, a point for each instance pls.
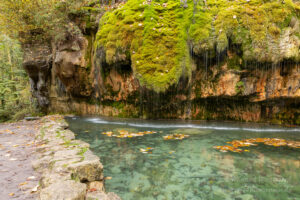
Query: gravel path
x: 17, y: 177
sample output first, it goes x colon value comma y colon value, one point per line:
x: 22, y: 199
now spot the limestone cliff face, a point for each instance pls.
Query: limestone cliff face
x: 85, y: 76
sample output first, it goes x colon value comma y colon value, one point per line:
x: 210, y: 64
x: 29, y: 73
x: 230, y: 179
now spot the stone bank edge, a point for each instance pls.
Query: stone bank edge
x: 69, y: 170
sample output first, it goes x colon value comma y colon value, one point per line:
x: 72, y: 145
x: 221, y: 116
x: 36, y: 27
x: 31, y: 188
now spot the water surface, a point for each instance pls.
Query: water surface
x: 191, y: 168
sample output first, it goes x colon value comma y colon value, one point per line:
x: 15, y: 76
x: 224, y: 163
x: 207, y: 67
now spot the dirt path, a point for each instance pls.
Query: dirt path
x: 17, y: 177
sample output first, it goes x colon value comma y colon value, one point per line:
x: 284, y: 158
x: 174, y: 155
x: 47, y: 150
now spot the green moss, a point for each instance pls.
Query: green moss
x: 156, y: 36
x: 240, y: 87
x: 68, y: 143
x: 88, y: 53
x: 118, y: 105
x: 58, y: 134
x: 234, y: 62
x: 255, y: 25
x: 81, y: 153
x: 153, y: 36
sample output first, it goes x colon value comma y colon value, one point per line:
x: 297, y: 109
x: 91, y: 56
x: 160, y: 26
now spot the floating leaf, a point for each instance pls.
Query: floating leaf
x: 126, y: 134
x: 276, y: 142
x: 175, y: 137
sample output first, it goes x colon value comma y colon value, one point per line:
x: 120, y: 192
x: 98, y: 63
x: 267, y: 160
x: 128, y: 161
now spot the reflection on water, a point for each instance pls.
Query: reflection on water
x: 191, y: 168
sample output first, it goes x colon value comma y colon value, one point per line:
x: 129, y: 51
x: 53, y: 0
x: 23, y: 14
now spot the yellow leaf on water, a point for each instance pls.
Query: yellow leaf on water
x: 108, y: 178
x: 11, y: 194
x: 275, y: 142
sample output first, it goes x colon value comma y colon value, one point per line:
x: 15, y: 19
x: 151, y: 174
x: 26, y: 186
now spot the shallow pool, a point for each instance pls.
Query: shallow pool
x: 191, y: 168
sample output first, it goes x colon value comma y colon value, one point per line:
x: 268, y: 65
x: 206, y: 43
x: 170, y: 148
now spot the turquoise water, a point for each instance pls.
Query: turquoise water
x: 191, y: 168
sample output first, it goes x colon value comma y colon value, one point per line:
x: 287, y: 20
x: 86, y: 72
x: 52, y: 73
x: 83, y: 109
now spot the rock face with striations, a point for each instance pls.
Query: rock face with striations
x: 188, y: 60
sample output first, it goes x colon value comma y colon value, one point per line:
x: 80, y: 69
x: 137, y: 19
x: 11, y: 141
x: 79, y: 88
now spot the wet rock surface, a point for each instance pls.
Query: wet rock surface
x: 37, y: 63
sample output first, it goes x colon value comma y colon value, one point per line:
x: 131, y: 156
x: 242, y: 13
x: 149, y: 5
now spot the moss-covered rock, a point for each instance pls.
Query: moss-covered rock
x: 265, y: 30
x: 153, y: 35
x: 156, y: 35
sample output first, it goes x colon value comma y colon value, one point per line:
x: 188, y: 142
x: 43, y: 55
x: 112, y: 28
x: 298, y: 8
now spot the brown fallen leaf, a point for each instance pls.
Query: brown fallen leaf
x: 24, y: 183
x: 92, y: 189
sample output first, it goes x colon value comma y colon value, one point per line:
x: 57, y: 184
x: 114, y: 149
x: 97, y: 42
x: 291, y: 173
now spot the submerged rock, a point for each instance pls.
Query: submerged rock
x: 192, y: 131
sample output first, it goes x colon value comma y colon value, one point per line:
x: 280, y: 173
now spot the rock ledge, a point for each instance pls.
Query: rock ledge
x: 69, y: 170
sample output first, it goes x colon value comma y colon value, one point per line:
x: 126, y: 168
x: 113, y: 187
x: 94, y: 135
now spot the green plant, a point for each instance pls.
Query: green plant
x: 15, y: 97
x: 38, y: 21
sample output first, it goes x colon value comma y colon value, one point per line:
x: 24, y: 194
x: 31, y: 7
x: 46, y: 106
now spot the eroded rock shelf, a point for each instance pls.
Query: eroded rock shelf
x: 69, y: 170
